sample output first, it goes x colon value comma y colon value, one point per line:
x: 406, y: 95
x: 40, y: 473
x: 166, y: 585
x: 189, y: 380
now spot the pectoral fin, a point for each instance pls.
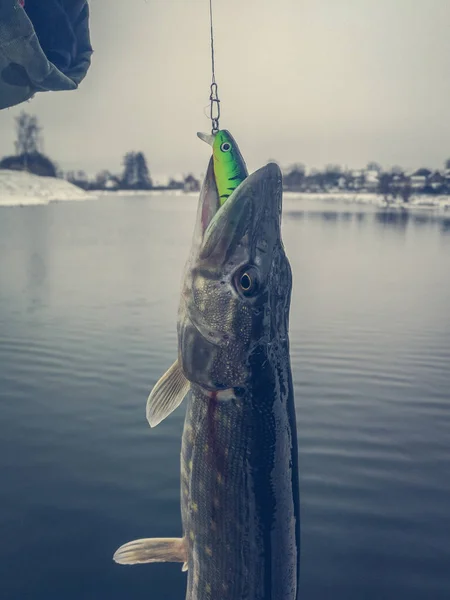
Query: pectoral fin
x: 167, y: 395
x: 149, y: 550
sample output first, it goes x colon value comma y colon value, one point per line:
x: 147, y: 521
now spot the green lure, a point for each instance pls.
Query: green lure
x: 229, y: 166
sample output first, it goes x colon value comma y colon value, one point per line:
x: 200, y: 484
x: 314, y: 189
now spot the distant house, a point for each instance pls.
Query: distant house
x: 437, y: 181
x: 342, y: 182
x: 399, y: 180
x: 372, y: 179
x: 357, y: 179
x: 419, y: 178
x: 112, y: 183
x: 175, y: 185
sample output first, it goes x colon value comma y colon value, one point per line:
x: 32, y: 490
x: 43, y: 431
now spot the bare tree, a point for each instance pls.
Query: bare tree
x: 28, y: 134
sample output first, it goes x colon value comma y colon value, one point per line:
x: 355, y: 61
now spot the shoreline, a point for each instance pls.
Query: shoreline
x: 18, y: 188
x: 370, y: 198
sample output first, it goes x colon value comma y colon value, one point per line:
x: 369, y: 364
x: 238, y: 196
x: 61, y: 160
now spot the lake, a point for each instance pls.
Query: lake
x: 88, y: 301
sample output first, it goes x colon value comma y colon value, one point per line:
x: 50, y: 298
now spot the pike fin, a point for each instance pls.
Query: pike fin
x: 167, y: 395
x: 150, y: 550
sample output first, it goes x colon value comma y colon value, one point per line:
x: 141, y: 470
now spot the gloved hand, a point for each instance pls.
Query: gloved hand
x: 44, y: 45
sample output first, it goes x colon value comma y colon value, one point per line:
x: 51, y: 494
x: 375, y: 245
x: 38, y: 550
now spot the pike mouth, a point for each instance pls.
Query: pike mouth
x: 212, y: 212
x: 256, y: 199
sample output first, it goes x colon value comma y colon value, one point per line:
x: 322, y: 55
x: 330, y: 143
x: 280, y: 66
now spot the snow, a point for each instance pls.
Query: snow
x: 419, y: 202
x: 19, y: 188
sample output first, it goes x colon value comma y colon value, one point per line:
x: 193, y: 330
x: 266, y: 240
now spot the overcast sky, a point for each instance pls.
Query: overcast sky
x: 313, y: 81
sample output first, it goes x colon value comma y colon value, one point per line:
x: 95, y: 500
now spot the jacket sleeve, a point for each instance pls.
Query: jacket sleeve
x: 44, y: 46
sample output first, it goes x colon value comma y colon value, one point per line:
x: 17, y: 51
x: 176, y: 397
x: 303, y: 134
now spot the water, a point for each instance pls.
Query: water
x: 88, y: 298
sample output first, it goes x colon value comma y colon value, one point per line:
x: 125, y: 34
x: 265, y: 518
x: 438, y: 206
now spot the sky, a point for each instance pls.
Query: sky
x: 311, y: 81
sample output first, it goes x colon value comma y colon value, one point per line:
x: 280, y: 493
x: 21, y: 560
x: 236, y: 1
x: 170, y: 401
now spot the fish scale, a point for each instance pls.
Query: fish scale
x: 216, y: 482
x: 236, y: 558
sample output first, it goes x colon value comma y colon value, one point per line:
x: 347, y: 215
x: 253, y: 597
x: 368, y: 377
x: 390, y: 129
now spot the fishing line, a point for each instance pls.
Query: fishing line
x: 214, y: 95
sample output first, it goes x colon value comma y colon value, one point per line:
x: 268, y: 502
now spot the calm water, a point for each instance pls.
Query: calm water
x: 88, y: 299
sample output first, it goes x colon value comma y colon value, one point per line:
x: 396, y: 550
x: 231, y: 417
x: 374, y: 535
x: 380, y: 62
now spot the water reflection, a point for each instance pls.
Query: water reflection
x: 361, y: 217
x: 422, y: 218
x: 370, y: 344
x: 294, y: 214
x: 36, y: 233
x: 330, y: 216
x: 445, y: 226
x: 395, y: 218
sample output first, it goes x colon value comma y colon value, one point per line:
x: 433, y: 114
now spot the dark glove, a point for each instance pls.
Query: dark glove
x: 44, y: 46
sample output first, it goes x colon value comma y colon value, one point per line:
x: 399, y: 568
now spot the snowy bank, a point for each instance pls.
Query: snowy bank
x: 18, y: 188
x: 430, y: 202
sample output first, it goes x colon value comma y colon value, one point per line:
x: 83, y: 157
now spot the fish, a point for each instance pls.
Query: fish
x: 240, y: 504
x: 230, y: 169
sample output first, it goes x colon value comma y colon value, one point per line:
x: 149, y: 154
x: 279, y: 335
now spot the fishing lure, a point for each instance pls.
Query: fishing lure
x: 229, y: 166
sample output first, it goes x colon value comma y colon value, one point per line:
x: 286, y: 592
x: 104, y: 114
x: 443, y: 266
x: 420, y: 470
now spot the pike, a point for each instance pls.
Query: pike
x: 239, y: 458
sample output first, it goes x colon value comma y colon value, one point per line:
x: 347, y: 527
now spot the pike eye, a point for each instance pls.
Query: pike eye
x: 225, y: 147
x: 247, y: 281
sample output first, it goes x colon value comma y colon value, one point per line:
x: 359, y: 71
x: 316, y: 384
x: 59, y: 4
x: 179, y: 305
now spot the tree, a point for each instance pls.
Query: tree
x: 101, y: 179
x: 28, y: 134
x: 406, y: 191
x: 315, y: 180
x: 374, y: 166
x: 332, y: 175
x: 135, y: 173
x: 293, y: 180
x: 191, y: 184
x: 128, y: 177
x: 28, y: 143
x: 143, y: 175
x: 447, y: 164
x: 422, y: 172
x: 385, y: 185
x: 335, y: 169
x: 35, y: 163
x: 175, y: 185
x: 78, y: 178
x: 396, y: 170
